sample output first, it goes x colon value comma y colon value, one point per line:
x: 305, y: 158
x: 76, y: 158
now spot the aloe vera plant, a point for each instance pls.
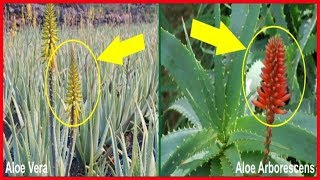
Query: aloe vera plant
x: 121, y: 137
x: 49, y: 37
x: 74, y: 101
x: 220, y: 132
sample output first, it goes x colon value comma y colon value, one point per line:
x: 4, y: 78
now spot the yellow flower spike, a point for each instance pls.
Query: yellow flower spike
x: 49, y: 38
x: 73, y: 101
x: 14, y: 27
x: 49, y: 34
x: 74, y: 96
x: 29, y: 12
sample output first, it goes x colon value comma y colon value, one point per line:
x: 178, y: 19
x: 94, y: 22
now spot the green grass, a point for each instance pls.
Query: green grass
x: 128, y: 103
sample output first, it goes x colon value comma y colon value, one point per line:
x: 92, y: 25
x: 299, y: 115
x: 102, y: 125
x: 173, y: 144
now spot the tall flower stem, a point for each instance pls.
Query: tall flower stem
x: 272, y: 94
x: 74, y: 99
x: 52, y: 126
x: 49, y: 37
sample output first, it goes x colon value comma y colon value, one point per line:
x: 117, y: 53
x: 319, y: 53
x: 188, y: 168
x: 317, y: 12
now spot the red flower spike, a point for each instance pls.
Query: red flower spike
x: 272, y: 94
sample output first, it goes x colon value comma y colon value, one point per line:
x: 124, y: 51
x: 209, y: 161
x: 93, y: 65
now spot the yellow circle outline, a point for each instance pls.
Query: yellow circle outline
x: 46, y: 83
x: 243, y: 72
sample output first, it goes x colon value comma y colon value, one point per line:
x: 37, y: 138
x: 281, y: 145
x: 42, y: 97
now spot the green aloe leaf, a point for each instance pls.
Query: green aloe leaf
x: 244, y: 29
x: 191, y: 77
x: 191, y: 149
x: 305, y: 31
x: 233, y: 156
x: 215, y: 167
x: 184, y: 107
x: 311, y: 45
x: 288, y: 139
x: 195, y: 161
x: 280, y: 20
x: 226, y: 166
x: 219, y: 87
x: 173, y: 140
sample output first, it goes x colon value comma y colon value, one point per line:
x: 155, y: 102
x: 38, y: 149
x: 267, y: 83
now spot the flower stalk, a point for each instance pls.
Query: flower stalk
x: 74, y: 101
x: 273, y: 93
x: 49, y: 37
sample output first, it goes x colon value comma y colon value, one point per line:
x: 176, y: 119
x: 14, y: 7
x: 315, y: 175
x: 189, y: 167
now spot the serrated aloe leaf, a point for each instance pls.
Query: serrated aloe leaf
x: 305, y: 31
x: 226, y: 166
x: 243, y: 28
x: 268, y: 20
x: 251, y: 158
x: 233, y: 86
x: 171, y: 141
x: 233, y: 156
x: 190, y: 146
x: 184, y: 107
x: 238, y: 10
x: 293, y: 13
x: 191, y: 78
x: 261, y: 22
x: 295, y: 90
x: 311, y: 70
x: 311, y: 45
x: 302, y: 120
x: 280, y: 20
x: 290, y: 59
x: 279, y: 160
x: 203, y: 170
x: 308, y: 106
x: 219, y: 69
x: 195, y: 161
x: 289, y: 139
x: 257, y: 53
x: 215, y: 167
x: 248, y: 141
x: 219, y: 87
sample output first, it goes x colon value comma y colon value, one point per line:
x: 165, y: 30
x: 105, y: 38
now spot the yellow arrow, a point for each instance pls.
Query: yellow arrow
x: 117, y: 50
x: 222, y: 38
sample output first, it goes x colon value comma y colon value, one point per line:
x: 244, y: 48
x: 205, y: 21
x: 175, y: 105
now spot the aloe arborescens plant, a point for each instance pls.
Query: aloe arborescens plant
x: 49, y: 37
x: 273, y: 92
x: 223, y: 136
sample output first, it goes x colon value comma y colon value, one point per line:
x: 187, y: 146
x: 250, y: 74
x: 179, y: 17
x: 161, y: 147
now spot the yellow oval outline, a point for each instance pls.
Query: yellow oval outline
x: 46, y: 84
x: 243, y: 72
